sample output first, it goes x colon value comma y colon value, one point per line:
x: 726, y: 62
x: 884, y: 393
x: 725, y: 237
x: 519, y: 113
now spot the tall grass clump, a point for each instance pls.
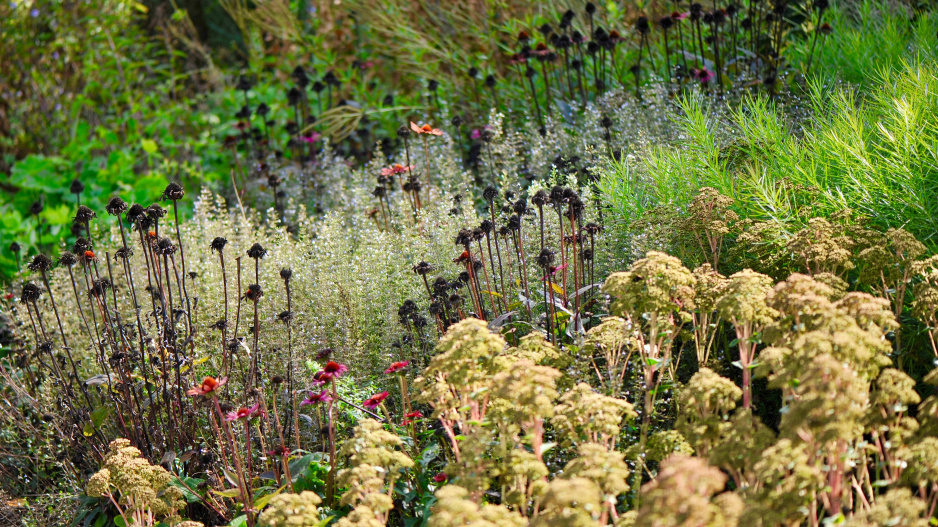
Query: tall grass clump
x: 874, y: 153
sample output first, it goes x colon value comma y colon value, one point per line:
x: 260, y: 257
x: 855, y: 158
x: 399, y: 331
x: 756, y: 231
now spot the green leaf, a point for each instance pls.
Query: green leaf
x: 88, y: 429
x: 98, y: 415
x: 228, y: 493
x: 149, y: 146
x: 193, y: 483
x: 240, y: 521
x: 119, y: 522
x: 262, y: 502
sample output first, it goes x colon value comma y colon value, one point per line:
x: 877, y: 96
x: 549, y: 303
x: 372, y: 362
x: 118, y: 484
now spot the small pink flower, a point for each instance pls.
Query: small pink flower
x: 440, y: 477
x: 677, y: 15
x: 321, y: 378
x: 244, y: 413
x: 375, y: 400
x: 316, y: 398
x: 311, y: 138
x: 704, y: 76
x: 425, y: 129
x: 475, y: 134
x: 395, y: 169
x: 396, y: 367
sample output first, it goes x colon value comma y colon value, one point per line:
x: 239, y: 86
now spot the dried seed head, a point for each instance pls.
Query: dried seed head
x: 256, y: 251
x: 276, y: 379
x: 155, y: 212
x: 31, y: 292
x: 403, y: 132
x: 115, y: 206
x: 423, y: 268
x: 15, y: 248
x: 286, y: 273
x: 77, y: 187
x: 165, y: 246
x: 135, y: 213
x: 254, y: 293
x: 68, y: 259
x: 81, y: 245
x: 40, y: 263
x: 84, y: 214
x: 218, y: 244
x: 174, y: 192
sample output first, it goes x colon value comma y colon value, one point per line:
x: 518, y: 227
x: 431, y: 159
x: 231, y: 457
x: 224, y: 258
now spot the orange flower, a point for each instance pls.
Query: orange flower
x: 208, y: 386
x: 425, y: 129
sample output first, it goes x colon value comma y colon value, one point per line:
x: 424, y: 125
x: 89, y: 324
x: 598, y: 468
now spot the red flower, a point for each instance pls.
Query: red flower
x: 396, y: 367
x: 8, y: 296
x: 440, y: 478
x: 89, y: 255
x: 335, y: 369
x: 316, y: 398
x: 244, y: 413
x: 279, y: 451
x: 425, y: 129
x: 411, y: 417
x: 375, y: 400
x: 208, y: 386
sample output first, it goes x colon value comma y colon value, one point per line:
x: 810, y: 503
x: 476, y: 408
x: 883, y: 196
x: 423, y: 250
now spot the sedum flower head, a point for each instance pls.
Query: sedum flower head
x: 786, y: 481
x: 525, y: 393
x: 743, y: 299
x: 574, y: 502
x: 666, y: 442
x: 454, y: 509
x: 658, y: 283
x: 682, y: 494
x: 585, y: 416
x: 292, y: 510
x: 898, y: 507
x: 605, y: 468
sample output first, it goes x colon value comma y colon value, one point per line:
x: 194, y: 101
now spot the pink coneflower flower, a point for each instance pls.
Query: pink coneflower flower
x: 395, y: 169
x: 425, y: 129
x: 335, y: 369
x: 320, y: 378
x: 396, y: 367
x: 555, y: 270
x: 311, y: 138
x: 679, y: 16
x: 517, y: 58
x: 208, y: 386
x: 375, y: 400
x: 440, y: 477
x: 316, y: 398
x: 8, y: 296
x: 541, y: 50
x: 411, y: 417
x: 244, y: 413
x: 704, y: 76
x: 475, y: 134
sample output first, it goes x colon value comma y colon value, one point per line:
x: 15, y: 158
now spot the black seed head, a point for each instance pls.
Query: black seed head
x: 68, y: 259
x: 77, y: 187
x: 545, y: 258
x: 30, y: 293
x: 15, y: 248
x: 165, y: 246
x: 218, y: 244
x: 155, y: 212
x: 135, y: 213
x: 116, y: 206
x: 84, y: 214
x: 174, y: 192
x: 41, y: 263
x: 257, y: 252
x: 403, y: 132
x: 286, y: 273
